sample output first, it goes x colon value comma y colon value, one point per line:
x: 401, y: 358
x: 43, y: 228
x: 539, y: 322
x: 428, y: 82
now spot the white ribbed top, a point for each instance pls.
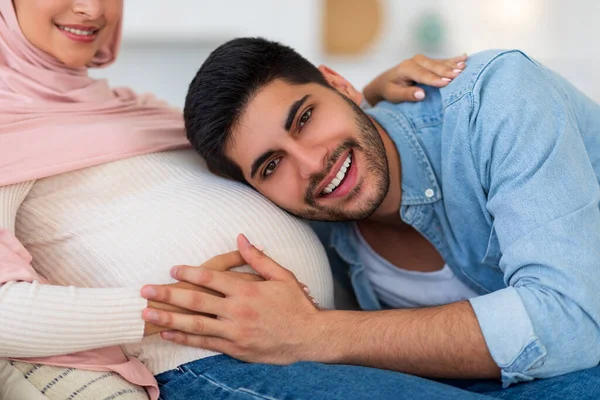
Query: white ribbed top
x: 120, y: 225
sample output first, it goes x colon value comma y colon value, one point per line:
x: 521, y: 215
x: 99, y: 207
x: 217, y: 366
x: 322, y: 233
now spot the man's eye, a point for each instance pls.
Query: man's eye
x: 304, y: 118
x: 270, y: 168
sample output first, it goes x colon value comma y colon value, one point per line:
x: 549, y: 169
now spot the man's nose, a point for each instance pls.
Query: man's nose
x: 90, y: 9
x: 311, y: 161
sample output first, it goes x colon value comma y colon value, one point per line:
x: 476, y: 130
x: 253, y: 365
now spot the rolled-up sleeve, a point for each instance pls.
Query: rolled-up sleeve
x: 543, y: 196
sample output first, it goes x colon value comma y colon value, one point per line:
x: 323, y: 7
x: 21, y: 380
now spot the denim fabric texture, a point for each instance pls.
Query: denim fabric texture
x: 221, y: 377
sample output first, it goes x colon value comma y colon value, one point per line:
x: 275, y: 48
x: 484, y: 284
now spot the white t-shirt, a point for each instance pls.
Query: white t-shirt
x: 401, y: 288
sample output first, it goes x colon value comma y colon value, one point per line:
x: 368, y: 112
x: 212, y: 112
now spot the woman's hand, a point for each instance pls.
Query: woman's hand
x: 397, y: 84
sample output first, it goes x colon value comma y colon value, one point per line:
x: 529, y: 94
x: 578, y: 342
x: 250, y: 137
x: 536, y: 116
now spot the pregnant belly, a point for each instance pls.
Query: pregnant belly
x: 128, y: 223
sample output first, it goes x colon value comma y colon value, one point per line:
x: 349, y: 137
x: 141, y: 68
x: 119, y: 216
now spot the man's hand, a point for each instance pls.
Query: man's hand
x: 255, y: 321
x: 151, y: 329
x: 397, y: 84
x: 188, y: 289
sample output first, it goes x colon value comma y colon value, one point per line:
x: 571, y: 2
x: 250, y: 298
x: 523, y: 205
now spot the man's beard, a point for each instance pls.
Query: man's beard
x: 370, y: 145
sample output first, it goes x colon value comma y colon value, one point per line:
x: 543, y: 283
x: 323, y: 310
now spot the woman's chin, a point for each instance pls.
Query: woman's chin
x: 75, y: 62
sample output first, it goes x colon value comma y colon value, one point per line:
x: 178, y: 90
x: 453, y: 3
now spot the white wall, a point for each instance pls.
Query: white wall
x: 166, y: 41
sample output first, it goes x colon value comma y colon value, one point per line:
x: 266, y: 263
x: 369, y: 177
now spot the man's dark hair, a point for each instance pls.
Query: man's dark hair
x: 224, y: 86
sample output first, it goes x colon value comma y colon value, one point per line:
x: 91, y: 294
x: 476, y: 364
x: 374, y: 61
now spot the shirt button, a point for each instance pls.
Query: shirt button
x: 429, y: 193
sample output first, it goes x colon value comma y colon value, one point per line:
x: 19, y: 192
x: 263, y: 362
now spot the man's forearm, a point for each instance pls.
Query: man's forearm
x: 442, y: 342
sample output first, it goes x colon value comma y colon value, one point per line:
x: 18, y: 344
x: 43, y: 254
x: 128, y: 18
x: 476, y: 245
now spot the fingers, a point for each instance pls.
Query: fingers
x: 418, y: 73
x: 188, y: 299
x: 437, y: 67
x: 396, y: 85
x: 222, y: 262
x: 191, y: 323
x: 397, y: 93
x: 460, y: 65
x: 261, y: 263
x: 455, y: 60
x: 225, y: 261
x: 201, y: 276
x: 446, y: 70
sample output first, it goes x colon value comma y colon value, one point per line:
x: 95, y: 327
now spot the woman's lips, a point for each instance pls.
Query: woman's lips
x: 79, y: 33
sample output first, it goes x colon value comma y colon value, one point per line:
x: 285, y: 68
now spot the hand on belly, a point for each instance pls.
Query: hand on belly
x: 254, y: 321
x: 188, y: 292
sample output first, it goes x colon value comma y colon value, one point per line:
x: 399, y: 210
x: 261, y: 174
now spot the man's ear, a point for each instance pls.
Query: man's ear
x: 341, y: 84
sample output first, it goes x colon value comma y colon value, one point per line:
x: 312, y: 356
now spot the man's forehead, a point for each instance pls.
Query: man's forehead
x: 259, y: 119
x: 278, y: 93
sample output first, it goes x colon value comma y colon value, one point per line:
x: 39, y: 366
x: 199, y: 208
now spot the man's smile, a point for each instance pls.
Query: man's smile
x: 334, y: 182
x: 341, y: 180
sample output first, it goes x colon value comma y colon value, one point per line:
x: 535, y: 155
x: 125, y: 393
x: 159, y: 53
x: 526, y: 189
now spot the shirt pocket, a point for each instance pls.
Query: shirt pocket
x: 492, y: 253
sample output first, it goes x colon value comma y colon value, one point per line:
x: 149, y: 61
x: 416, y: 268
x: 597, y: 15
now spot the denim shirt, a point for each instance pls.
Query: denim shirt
x: 500, y: 172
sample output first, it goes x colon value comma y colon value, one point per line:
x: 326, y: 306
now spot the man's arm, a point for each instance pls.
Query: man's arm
x: 274, y: 322
x: 440, y: 342
x: 527, y: 146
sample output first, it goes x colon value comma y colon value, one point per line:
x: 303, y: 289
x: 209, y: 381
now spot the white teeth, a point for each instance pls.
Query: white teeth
x: 77, y: 31
x: 339, y: 176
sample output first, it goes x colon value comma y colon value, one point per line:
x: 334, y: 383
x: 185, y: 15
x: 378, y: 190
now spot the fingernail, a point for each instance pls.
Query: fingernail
x: 419, y: 95
x: 461, y: 64
x: 173, y: 272
x: 458, y: 71
x: 245, y: 241
x: 306, y: 289
x: 151, y: 315
x: 446, y: 79
x: 315, y: 302
x: 148, y: 292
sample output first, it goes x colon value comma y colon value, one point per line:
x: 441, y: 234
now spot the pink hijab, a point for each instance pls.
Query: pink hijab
x: 55, y: 119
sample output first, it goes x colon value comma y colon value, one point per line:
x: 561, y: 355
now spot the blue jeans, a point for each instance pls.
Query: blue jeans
x: 222, y: 377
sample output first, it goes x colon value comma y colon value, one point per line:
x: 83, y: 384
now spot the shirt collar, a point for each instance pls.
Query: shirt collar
x: 419, y: 184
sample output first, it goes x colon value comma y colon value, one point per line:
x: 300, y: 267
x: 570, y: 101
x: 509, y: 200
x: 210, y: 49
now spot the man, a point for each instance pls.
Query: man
x: 491, y: 181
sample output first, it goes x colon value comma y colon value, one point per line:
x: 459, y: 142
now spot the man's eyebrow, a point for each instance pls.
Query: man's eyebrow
x: 288, y: 125
x: 293, y: 110
x: 259, y: 161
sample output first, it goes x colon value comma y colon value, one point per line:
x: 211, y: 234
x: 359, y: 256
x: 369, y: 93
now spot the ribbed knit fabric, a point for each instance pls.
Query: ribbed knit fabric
x: 11, y: 198
x: 32, y: 381
x: 109, y: 229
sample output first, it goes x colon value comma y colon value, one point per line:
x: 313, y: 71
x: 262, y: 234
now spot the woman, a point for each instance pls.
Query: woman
x: 85, y: 171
